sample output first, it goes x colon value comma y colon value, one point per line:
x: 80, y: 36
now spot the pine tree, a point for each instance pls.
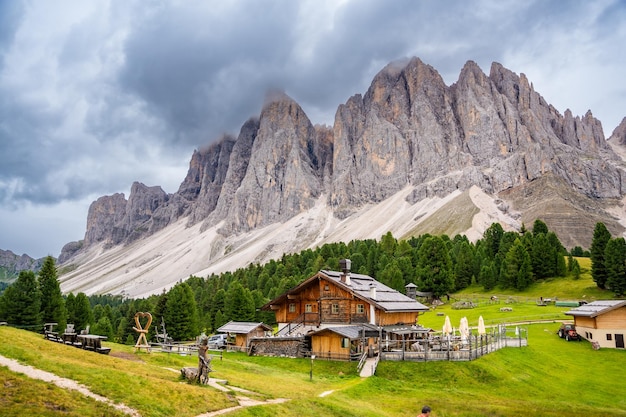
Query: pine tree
x: 464, y: 268
x: 576, y: 269
x: 392, y: 276
x: 539, y: 227
x: 83, y: 316
x: 21, y: 301
x: 239, y: 303
x: 487, y: 276
x: 615, y: 262
x: 52, y: 303
x: 601, y: 237
x: 70, y: 308
x: 517, y: 267
x: 181, y: 313
x: 491, y: 239
x: 435, y: 268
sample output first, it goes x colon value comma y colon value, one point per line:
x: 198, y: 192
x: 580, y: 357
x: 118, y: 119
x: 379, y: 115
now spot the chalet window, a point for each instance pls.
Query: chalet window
x: 326, y: 287
x: 292, y: 307
x: 345, y: 342
x: 335, y: 309
x: 308, y: 308
x: 360, y: 308
x: 609, y: 336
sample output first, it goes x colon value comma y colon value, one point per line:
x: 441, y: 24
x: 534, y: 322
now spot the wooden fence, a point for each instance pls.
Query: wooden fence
x: 453, y: 348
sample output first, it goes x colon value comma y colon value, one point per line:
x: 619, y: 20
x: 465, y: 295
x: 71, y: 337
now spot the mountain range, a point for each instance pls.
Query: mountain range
x: 411, y: 156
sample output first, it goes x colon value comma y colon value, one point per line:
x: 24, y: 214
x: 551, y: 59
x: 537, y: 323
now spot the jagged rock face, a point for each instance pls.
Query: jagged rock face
x: 103, y: 218
x: 236, y: 170
x: 114, y: 220
x: 619, y: 134
x: 408, y: 129
x: 207, y: 173
x: 492, y: 131
x: 284, y: 175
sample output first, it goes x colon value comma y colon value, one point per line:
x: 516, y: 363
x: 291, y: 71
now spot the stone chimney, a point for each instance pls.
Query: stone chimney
x: 373, y: 291
x: 344, y: 265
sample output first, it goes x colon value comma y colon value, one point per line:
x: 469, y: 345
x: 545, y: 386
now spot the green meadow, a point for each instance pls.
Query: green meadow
x: 549, y: 377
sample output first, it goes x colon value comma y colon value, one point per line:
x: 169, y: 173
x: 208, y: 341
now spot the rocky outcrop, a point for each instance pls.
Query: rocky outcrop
x: 619, y: 134
x: 408, y: 130
x: 285, y: 171
x: 11, y: 264
x: 114, y: 220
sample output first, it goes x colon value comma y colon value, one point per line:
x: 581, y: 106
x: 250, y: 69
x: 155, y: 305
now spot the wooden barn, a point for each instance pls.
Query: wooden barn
x: 243, y: 331
x: 332, y: 299
x: 602, y: 322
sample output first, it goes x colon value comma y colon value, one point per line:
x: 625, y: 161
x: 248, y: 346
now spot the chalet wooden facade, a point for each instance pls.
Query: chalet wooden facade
x: 602, y: 322
x: 331, y: 298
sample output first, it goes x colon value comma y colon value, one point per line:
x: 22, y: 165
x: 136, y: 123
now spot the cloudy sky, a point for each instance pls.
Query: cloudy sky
x: 97, y: 94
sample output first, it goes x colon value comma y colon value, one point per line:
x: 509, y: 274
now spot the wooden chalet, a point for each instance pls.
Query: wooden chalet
x: 602, y: 322
x: 332, y: 299
x: 243, y: 331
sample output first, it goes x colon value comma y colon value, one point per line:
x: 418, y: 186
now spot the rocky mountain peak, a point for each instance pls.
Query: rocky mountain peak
x: 409, y: 134
x: 285, y: 170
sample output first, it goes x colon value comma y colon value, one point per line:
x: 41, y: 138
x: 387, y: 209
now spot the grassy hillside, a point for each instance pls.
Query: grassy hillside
x: 550, y: 377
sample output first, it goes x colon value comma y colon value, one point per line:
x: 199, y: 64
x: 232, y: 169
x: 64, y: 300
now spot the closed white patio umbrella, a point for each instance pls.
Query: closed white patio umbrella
x: 481, y: 326
x: 447, y: 326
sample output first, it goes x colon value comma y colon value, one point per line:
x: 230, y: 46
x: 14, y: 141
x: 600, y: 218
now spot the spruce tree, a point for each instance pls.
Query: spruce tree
x: 83, y: 316
x: 487, y: 276
x: 601, y: 237
x: 539, y: 227
x: 517, y: 270
x: 21, y: 302
x: 70, y: 308
x: 392, y: 276
x: 239, y: 303
x: 434, y: 270
x: 52, y: 303
x: 615, y: 262
x: 181, y: 315
x: 464, y: 268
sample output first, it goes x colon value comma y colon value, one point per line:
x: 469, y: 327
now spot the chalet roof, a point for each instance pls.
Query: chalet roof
x: 351, y: 332
x: 387, y: 298
x: 242, y: 327
x: 596, y: 308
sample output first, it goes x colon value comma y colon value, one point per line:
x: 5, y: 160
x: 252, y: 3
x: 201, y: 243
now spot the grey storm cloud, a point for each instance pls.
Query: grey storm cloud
x: 95, y: 95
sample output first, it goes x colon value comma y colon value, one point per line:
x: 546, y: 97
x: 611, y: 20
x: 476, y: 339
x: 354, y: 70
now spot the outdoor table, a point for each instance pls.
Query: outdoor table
x: 70, y: 338
x: 93, y: 342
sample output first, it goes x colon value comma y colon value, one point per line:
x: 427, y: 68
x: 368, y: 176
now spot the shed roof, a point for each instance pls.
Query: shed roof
x: 351, y: 332
x: 242, y: 327
x: 596, y: 308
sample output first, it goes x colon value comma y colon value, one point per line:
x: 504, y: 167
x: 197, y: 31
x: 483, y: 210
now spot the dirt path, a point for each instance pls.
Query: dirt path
x: 241, y: 399
x: 64, y: 383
